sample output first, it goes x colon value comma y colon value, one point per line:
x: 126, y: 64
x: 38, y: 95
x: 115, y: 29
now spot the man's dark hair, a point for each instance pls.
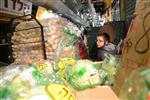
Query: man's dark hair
x: 106, y: 36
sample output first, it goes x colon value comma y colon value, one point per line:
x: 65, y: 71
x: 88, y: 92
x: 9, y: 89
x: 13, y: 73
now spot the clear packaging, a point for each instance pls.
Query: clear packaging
x: 111, y: 64
x: 23, y: 81
x: 27, y: 42
x: 67, y: 51
x: 137, y: 85
x: 83, y: 74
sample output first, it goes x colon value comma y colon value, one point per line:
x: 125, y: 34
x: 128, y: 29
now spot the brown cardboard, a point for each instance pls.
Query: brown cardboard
x: 136, y: 50
x: 97, y: 93
x: 110, y: 29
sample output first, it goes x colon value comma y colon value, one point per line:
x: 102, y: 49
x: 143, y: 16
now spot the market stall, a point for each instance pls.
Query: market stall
x: 48, y: 63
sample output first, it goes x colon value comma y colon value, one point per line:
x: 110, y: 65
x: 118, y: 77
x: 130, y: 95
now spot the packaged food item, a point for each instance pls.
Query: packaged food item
x: 7, y: 73
x: 44, y: 73
x: 67, y: 46
x: 67, y: 51
x: 63, y: 63
x: 27, y: 40
x: 137, y: 85
x: 22, y: 82
x: 111, y: 64
x: 16, y: 80
x: 83, y: 74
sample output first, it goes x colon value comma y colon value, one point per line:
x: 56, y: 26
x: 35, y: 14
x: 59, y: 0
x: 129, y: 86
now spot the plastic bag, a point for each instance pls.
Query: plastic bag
x: 66, y: 52
x: 17, y: 78
x: 111, y: 64
x: 136, y: 85
x: 66, y: 47
x: 7, y: 73
x: 63, y: 64
x: 83, y: 74
x: 19, y: 82
x: 27, y: 37
x: 44, y: 73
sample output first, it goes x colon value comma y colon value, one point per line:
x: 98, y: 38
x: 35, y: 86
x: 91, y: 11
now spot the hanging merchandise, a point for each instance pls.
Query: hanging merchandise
x: 83, y: 74
x: 137, y: 85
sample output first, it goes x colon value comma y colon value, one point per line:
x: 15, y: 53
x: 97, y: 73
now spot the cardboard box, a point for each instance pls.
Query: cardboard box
x: 97, y: 93
x: 136, y: 48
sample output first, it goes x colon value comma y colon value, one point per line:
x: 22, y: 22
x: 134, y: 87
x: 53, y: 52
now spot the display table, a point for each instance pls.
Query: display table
x: 97, y: 93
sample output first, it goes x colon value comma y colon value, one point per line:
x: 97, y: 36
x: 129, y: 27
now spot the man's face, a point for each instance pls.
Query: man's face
x: 100, y: 42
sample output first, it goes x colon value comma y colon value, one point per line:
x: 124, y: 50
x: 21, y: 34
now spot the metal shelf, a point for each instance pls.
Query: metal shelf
x: 4, y: 44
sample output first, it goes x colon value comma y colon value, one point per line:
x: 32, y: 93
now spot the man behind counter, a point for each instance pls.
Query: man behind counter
x: 104, y: 46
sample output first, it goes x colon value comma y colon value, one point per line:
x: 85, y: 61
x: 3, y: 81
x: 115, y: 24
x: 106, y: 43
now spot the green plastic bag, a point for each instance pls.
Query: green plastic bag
x: 83, y: 74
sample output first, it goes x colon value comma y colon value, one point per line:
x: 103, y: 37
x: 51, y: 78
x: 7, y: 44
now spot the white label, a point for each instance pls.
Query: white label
x: 15, y: 7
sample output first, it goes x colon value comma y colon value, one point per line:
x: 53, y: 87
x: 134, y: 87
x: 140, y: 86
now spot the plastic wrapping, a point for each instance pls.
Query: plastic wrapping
x: 44, y: 73
x: 63, y: 63
x: 83, y: 74
x: 136, y: 85
x: 7, y: 73
x: 15, y: 81
x: 20, y: 81
x: 111, y: 64
x: 67, y: 51
x: 66, y: 47
x: 27, y: 37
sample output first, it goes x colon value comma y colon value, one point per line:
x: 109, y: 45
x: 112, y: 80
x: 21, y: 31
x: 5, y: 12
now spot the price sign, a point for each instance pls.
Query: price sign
x: 15, y: 7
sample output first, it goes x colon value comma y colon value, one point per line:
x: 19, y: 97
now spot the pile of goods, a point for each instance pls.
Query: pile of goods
x: 46, y: 80
x: 33, y: 82
x: 27, y: 40
x: 31, y: 77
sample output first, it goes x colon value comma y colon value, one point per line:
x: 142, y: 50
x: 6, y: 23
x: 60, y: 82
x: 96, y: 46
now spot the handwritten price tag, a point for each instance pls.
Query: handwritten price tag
x: 59, y: 92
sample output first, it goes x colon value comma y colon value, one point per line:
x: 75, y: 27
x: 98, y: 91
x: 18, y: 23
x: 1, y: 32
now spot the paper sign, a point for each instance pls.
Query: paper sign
x: 15, y: 7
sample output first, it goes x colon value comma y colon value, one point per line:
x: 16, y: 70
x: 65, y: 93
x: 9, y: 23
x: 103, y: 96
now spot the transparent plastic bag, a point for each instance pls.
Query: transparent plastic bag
x: 63, y: 64
x: 83, y: 74
x: 16, y: 79
x: 44, y: 73
x: 66, y: 52
x: 66, y: 47
x: 111, y: 64
x: 7, y: 73
x: 29, y: 39
x: 19, y: 81
x: 137, y: 85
